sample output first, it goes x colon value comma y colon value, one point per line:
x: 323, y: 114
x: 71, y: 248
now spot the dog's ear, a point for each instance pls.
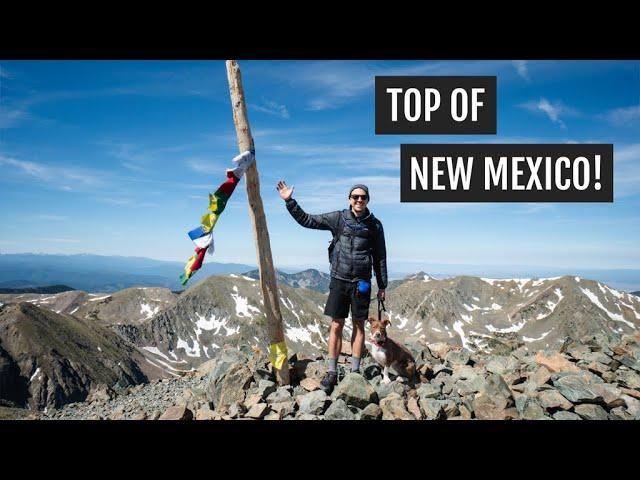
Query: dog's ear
x: 386, y: 322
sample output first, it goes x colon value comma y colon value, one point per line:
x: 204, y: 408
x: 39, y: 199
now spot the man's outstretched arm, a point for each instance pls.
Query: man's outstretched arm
x: 325, y: 221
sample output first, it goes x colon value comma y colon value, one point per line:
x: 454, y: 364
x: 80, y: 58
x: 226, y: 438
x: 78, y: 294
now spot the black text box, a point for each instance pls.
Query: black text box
x: 415, y: 100
x: 528, y: 173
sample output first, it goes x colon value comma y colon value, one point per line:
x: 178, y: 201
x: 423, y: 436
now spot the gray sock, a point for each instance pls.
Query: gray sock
x: 333, y: 364
x: 355, y: 363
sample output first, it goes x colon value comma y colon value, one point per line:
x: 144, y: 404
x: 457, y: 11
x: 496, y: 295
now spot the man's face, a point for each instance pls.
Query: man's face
x: 358, y: 200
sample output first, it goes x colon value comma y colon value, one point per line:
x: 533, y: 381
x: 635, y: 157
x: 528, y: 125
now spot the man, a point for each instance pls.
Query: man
x: 358, y: 245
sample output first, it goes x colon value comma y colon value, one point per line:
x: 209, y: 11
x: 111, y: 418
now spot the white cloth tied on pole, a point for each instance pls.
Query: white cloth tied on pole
x: 242, y: 161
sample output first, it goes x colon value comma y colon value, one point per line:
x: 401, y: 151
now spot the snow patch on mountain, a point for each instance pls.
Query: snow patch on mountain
x: 613, y: 316
x: 148, y: 311
x: 514, y: 328
x: 529, y: 339
x: 243, y: 309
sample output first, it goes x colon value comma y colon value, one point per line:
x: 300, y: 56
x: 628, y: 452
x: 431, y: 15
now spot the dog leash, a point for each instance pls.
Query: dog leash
x: 380, y: 310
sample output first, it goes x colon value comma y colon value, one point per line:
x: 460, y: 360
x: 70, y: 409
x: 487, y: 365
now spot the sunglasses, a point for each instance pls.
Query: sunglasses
x: 360, y: 197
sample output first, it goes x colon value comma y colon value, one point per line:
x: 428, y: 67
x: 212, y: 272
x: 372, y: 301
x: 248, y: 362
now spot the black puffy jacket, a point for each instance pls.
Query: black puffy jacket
x: 360, y: 242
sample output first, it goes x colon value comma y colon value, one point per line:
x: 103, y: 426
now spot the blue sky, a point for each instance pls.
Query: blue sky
x: 117, y: 158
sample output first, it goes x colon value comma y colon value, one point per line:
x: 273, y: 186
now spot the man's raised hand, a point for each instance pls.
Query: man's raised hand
x: 284, y: 191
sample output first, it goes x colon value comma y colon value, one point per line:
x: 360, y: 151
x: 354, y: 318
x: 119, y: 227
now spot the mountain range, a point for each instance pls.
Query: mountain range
x: 99, y: 273
x: 162, y: 333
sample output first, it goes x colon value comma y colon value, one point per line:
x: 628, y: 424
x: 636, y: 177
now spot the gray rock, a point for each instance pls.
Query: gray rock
x: 394, y: 408
x: 531, y: 409
x: 578, y: 351
x: 427, y: 390
x: 236, y: 409
x: 307, y: 416
x: 298, y: 391
x: 457, y: 357
x: 265, y: 388
x: 355, y: 390
x: 450, y: 408
x: 597, y: 357
x: 375, y: 381
x: 501, y: 364
x: 620, y: 413
x: 259, y: 410
x: 589, y: 411
x: 466, y: 387
x: 465, y: 372
x: 315, y: 370
x: 230, y: 387
x: 314, y: 403
x: 433, y: 409
x: 384, y: 389
x: 223, y: 362
x: 284, y: 408
x: 628, y: 378
x: 553, y: 400
x: 522, y: 354
x: 630, y: 362
x: 577, y: 388
x: 372, y: 371
x: 633, y: 405
x: 273, y: 416
x: 562, y: 415
x: 100, y: 393
x: 282, y: 394
x: 447, y: 386
x: 611, y: 395
x: 414, y: 408
x: 495, y: 386
x: 177, y: 412
x: 339, y: 410
x: 371, y: 412
x: 486, y: 407
x: 541, y: 376
x: 441, y: 368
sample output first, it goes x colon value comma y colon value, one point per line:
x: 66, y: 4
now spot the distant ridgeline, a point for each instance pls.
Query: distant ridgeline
x: 48, y: 289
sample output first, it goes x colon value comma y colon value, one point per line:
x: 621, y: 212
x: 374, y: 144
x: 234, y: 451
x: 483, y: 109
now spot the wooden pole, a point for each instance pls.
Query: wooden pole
x: 278, y: 349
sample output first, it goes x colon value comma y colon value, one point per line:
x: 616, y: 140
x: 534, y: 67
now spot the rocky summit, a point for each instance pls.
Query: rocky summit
x: 475, y: 338
x: 594, y: 378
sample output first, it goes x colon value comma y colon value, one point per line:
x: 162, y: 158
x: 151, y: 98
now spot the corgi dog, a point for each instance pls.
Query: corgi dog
x: 389, y: 353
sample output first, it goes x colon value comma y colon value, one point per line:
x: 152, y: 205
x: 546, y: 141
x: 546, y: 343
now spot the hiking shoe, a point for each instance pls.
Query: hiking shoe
x: 329, y: 381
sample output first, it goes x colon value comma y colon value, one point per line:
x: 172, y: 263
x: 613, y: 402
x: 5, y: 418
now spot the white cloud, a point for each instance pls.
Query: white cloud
x: 522, y: 68
x: 533, y: 208
x: 552, y: 110
x: 272, y: 108
x: 11, y: 117
x: 52, y: 218
x: 55, y: 175
x: 205, y: 166
x: 352, y: 157
x: 626, y: 165
x: 29, y: 168
x: 332, y: 84
x: 624, y: 115
x: 61, y: 240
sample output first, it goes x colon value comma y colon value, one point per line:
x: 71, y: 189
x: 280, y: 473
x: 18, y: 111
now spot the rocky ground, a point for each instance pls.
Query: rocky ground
x: 596, y: 378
